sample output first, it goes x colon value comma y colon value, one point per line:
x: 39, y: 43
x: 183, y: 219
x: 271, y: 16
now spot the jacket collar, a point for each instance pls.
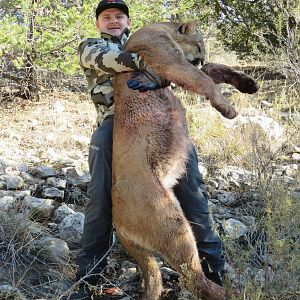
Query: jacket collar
x: 121, y: 39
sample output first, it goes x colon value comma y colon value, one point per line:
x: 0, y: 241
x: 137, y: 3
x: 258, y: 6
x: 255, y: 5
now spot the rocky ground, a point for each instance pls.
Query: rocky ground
x: 43, y: 184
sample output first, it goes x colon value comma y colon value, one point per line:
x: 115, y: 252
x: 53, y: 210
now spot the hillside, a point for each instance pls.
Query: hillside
x: 250, y: 164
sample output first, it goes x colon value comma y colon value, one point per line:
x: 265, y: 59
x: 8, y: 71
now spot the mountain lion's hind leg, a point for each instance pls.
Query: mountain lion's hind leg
x: 149, y: 267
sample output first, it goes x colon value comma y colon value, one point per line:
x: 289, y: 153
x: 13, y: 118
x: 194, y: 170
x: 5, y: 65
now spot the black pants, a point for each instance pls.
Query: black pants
x: 190, y: 192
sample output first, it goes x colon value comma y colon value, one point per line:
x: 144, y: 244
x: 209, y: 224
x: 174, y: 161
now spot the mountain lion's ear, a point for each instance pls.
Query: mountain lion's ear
x: 188, y: 28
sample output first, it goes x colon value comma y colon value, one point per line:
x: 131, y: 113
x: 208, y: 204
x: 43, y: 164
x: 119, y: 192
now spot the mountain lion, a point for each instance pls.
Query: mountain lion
x: 150, y: 147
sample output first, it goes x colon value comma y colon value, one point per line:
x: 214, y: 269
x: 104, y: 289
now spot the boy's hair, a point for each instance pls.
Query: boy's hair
x: 105, y: 4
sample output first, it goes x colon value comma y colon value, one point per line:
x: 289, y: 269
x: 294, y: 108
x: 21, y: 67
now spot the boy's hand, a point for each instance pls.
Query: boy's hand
x: 139, y: 81
x: 144, y: 81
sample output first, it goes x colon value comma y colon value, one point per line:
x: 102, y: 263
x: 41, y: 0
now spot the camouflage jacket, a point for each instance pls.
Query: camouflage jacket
x: 100, y: 59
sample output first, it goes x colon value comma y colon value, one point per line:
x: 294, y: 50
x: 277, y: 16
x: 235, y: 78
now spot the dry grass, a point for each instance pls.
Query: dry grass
x: 32, y: 273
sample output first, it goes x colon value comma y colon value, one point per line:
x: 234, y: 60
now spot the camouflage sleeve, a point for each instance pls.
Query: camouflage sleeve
x: 96, y: 54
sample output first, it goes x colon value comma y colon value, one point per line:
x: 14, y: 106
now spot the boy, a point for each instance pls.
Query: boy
x: 100, y: 59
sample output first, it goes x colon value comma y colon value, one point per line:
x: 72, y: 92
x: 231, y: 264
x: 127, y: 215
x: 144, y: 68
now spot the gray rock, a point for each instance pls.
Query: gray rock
x: 238, y: 177
x: 21, y: 194
x: 53, y: 193
x: 72, y: 173
x: 234, y: 228
x: 289, y: 170
x: 57, y: 182
x: 202, y: 169
x: 12, y: 182
x: 227, y: 198
x: 296, y: 156
x: 292, y: 170
x: 4, y: 193
x: 44, y: 172
x: 232, y: 275
x: 168, y: 273
x: 53, y: 226
x: 129, y: 270
x: 31, y: 180
x: 71, y: 228
x: 23, y: 168
x: 17, y: 194
x: 212, y: 183
x: 38, y: 208
x: 50, y: 246
x: 2, y: 185
x: 261, y: 275
x: 222, y: 183
x: 213, y: 200
x: 3, y: 164
x: 270, y: 127
x: 76, y: 177
x: 62, y: 212
x: 11, y: 171
x: 288, y: 180
x: 7, y: 203
x: 296, y: 195
x: 9, y: 292
x: 84, y: 182
x: 248, y: 221
x: 221, y: 213
x: 76, y: 196
x: 212, y: 206
x: 184, y: 294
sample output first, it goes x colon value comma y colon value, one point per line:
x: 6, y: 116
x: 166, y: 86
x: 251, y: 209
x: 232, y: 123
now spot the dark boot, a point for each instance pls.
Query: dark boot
x: 216, y: 277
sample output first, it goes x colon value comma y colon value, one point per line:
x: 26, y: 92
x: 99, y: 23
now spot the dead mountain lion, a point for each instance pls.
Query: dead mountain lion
x: 150, y: 147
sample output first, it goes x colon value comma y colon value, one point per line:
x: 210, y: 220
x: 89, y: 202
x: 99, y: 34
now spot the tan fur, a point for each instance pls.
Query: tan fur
x: 151, y: 144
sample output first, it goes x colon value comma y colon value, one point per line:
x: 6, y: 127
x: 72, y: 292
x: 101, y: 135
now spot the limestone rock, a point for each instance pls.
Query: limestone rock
x: 52, y: 246
x: 9, y: 292
x: 270, y: 127
x: 248, y: 221
x: 53, y: 193
x: 238, y: 177
x: 71, y: 228
x: 62, y: 212
x: 7, y: 203
x: 203, y: 170
x: 76, y: 196
x: 44, y: 172
x: 12, y: 182
x: 234, y: 228
x: 38, y: 207
x: 227, y: 198
x: 72, y: 173
x: 57, y: 182
x: 296, y: 156
x: 2, y: 184
x: 129, y: 270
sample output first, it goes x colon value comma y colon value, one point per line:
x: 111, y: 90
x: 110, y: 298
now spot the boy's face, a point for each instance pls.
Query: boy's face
x: 112, y: 21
